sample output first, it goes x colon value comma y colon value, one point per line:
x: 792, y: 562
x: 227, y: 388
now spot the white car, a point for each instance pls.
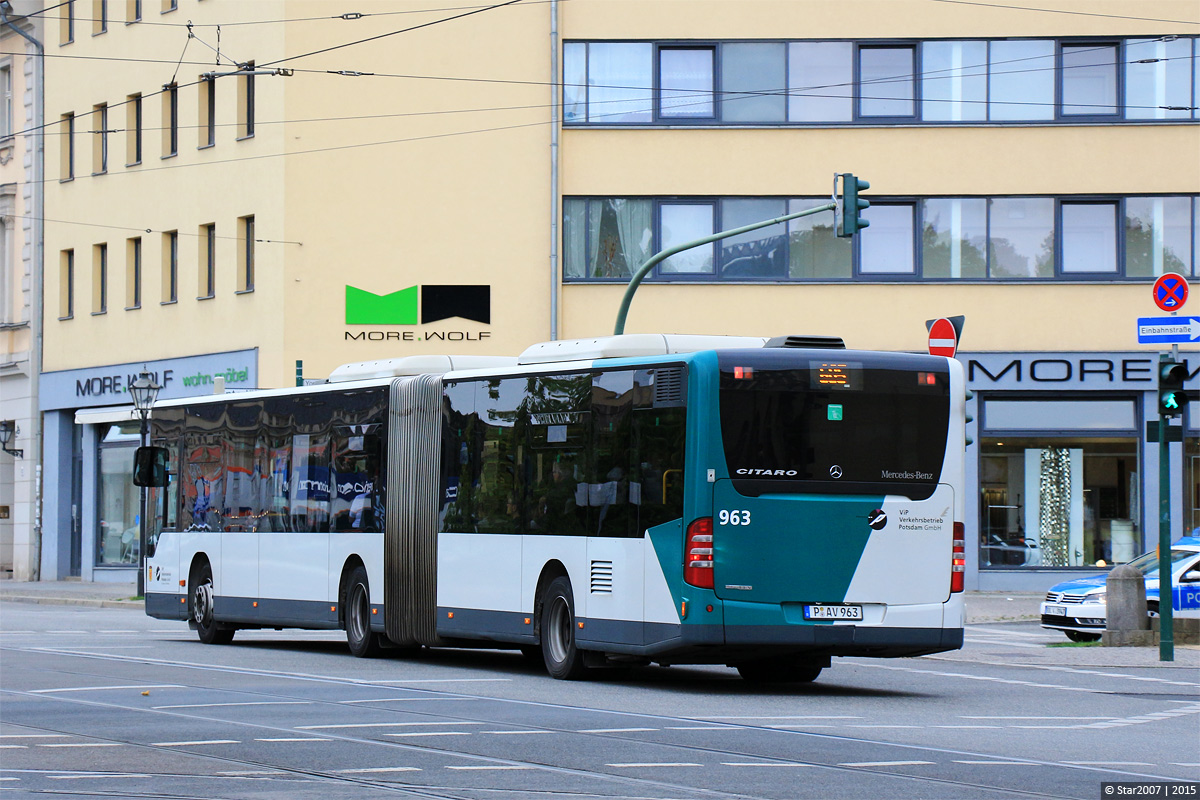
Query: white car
x: 1079, y: 607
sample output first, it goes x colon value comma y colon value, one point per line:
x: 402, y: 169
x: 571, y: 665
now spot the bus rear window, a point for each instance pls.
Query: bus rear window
x: 850, y: 423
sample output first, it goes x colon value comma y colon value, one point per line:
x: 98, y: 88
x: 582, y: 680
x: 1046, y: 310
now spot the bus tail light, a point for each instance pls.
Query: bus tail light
x: 958, y: 558
x: 698, y: 554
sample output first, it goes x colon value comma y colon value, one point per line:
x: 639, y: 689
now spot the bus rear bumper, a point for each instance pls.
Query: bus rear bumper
x: 163, y: 605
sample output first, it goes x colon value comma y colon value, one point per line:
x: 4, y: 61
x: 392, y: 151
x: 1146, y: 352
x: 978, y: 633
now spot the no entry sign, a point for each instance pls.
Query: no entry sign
x: 1170, y: 291
x: 943, y: 339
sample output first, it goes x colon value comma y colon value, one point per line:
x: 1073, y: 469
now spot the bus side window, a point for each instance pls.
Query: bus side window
x: 355, y: 476
x: 615, y: 492
x: 460, y: 458
x: 659, y: 439
x: 556, y: 417
x: 501, y: 483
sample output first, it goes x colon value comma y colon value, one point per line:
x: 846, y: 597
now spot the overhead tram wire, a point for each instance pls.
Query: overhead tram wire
x: 954, y: 72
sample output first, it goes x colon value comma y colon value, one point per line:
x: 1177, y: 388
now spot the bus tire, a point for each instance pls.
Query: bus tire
x: 778, y: 670
x: 563, y: 659
x: 362, y: 641
x: 207, y: 628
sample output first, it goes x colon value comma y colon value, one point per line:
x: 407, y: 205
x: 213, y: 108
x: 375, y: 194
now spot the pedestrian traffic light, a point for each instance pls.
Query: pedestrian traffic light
x: 1171, y: 396
x: 852, y: 221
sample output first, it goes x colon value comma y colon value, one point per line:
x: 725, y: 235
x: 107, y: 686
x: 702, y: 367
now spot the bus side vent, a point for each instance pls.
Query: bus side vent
x: 602, y: 577
x: 668, y: 387
x: 822, y: 342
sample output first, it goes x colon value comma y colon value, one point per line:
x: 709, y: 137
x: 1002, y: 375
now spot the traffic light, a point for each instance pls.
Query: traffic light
x: 1171, y: 396
x: 852, y: 206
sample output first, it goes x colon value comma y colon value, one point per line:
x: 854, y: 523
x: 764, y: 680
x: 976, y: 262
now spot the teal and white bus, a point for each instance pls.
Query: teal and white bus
x: 762, y: 504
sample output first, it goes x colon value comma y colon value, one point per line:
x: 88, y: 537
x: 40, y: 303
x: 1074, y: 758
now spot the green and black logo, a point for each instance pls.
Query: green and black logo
x: 419, y: 305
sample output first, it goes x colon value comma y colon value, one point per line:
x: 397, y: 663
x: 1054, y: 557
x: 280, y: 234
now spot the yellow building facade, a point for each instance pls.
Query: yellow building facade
x: 245, y: 189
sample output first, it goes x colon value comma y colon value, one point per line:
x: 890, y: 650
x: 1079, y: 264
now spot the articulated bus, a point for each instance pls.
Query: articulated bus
x: 761, y: 504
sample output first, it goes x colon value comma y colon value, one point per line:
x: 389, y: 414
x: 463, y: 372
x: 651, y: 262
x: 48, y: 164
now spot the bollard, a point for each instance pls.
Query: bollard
x: 1126, y: 624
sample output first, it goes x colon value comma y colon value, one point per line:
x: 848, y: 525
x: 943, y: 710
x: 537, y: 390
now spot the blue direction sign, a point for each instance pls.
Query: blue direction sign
x: 1168, y: 330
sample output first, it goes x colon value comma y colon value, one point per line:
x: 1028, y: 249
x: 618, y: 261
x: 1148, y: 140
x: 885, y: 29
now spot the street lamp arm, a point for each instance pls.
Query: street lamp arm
x: 655, y: 259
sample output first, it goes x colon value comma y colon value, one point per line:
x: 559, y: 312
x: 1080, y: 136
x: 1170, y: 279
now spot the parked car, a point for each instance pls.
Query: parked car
x: 1078, y: 607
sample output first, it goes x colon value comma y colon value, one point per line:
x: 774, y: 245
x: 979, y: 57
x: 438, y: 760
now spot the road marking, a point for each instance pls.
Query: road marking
x: 883, y: 726
x: 497, y: 767
x: 376, y: 769
x: 431, y: 733
x: 884, y: 763
x: 97, y: 775
x: 380, y: 725
x: 116, y: 631
x: 441, y: 680
x: 142, y: 687
x: 84, y: 744
x: 32, y: 735
x: 1109, y: 763
x: 225, y: 705
x: 1000, y: 763
x: 655, y: 764
x: 197, y: 742
x: 801, y: 725
x: 963, y: 716
x: 296, y: 739
x: 617, y: 730
x: 1177, y: 764
x: 795, y: 716
x: 71, y: 633
x: 986, y: 678
x: 761, y: 764
x: 710, y: 727
x: 968, y: 727
x: 517, y: 733
x: 14, y: 747
x: 407, y: 700
x: 243, y: 773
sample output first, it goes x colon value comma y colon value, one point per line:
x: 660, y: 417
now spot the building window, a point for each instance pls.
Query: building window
x: 100, y: 279
x: 170, y: 267
x: 930, y: 239
x: 1058, y: 502
x: 66, y: 284
x: 6, y: 101
x: 67, y: 148
x: 208, y: 112
x: 865, y: 82
x: 246, y: 103
x: 66, y: 23
x: 6, y: 272
x: 133, y: 273
x: 133, y: 130
x: 1089, y: 237
x: 680, y: 223
x: 100, y: 139
x: 133, y: 11
x: 208, y: 261
x: 886, y: 81
x: 170, y: 117
x: 99, y: 17
x: 1089, y: 79
x: 685, y: 82
x: 246, y: 254
x: 169, y: 5
x: 821, y: 81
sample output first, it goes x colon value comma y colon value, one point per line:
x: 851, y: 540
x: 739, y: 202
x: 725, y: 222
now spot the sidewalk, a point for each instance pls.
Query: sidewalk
x: 981, y: 606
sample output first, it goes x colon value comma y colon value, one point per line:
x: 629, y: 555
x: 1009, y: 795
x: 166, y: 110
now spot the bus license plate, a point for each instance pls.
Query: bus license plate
x: 1055, y: 611
x: 833, y: 612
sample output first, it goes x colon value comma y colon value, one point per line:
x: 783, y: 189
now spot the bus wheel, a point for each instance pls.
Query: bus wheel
x: 363, y: 643
x: 563, y: 659
x: 208, y: 629
x: 775, y: 670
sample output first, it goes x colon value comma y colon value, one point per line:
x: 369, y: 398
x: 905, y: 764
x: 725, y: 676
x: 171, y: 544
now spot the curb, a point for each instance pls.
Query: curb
x: 72, y: 601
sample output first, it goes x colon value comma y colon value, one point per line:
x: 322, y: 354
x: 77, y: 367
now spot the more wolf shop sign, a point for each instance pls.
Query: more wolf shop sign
x: 418, y: 305
x: 1067, y: 370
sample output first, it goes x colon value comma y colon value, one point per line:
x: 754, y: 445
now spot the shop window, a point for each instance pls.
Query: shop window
x: 117, y: 535
x: 1058, y: 502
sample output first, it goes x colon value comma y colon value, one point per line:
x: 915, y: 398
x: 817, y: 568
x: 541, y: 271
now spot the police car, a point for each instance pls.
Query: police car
x: 1078, y: 607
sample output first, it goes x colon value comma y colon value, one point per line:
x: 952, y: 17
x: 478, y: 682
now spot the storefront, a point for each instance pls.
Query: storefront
x: 1064, y: 478
x: 90, y: 505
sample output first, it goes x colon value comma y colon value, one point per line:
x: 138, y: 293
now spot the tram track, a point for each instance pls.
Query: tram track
x: 424, y: 790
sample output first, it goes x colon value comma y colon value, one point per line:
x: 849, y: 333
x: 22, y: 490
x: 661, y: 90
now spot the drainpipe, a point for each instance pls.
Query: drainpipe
x: 38, y: 284
x: 555, y: 101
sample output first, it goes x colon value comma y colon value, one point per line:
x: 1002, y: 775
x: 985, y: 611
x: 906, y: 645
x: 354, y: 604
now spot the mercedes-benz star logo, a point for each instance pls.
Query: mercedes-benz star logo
x: 835, y: 472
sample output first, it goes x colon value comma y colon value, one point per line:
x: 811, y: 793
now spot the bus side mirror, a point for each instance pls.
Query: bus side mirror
x: 150, y: 467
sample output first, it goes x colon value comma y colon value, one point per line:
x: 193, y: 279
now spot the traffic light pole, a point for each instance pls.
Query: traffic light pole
x: 1166, y: 592
x: 644, y: 270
